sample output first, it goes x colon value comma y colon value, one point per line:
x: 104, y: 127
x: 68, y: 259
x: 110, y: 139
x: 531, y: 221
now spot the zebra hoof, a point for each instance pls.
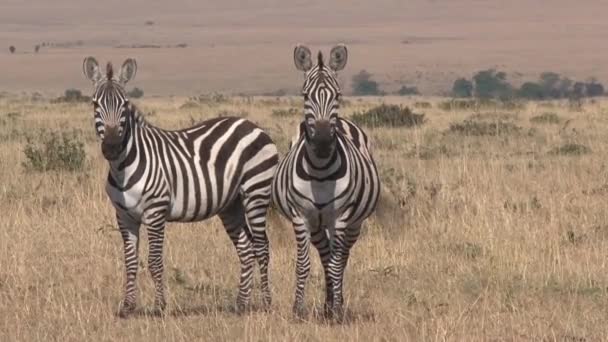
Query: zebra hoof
x: 299, y: 312
x: 328, y: 311
x: 126, y: 309
x: 158, y: 311
x: 241, y: 308
x: 338, y: 314
x: 266, y: 304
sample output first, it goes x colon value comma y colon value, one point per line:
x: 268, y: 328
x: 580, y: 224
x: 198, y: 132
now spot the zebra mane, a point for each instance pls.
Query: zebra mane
x: 138, y: 116
x: 109, y: 71
x: 320, y: 60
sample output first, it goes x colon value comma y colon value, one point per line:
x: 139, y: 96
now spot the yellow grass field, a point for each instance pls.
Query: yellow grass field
x: 491, y: 229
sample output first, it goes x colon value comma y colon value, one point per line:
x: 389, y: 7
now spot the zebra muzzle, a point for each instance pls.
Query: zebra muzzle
x: 111, y: 147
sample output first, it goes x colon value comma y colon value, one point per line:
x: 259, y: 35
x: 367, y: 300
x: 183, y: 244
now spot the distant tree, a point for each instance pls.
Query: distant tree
x: 594, y: 88
x: 73, y: 95
x: 531, y: 91
x: 578, y: 90
x: 135, y: 93
x: 11, y: 49
x: 405, y: 90
x: 364, y: 85
x: 37, y: 48
x: 462, y: 88
x: 492, y: 84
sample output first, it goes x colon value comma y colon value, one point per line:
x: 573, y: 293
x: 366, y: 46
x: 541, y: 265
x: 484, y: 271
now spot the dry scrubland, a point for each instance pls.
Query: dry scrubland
x: 494, y: 229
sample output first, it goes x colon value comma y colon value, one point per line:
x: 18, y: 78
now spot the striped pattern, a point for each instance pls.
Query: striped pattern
x: 327, y: 185
x: 222, y: 166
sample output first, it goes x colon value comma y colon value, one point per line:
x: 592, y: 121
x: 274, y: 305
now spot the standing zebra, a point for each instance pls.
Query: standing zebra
x: 222, y: 166
x: 327, y: 185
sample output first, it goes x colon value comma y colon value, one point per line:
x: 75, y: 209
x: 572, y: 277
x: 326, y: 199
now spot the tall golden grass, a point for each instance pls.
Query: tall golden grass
x: 489, y: 237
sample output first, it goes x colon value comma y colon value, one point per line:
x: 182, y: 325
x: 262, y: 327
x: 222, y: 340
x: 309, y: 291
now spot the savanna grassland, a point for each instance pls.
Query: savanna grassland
x: 492, y: 226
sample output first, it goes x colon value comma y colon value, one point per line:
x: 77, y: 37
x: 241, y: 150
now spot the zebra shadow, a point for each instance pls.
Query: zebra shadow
x: 198, y: 310
x: 350, y: 317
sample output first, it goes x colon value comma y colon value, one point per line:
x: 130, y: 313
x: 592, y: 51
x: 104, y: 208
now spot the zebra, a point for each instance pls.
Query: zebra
x: 327, y: 184
x: 222, y: 166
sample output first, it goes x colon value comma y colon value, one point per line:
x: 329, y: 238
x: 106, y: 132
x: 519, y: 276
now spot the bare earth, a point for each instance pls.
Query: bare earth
x: 236, y: 46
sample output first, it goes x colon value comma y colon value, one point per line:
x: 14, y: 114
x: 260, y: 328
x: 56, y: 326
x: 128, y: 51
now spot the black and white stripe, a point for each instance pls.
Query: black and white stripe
x: 222, y: 166
x: 327, y: 185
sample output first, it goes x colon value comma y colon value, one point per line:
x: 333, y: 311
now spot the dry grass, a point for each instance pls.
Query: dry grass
x: 484, y: 237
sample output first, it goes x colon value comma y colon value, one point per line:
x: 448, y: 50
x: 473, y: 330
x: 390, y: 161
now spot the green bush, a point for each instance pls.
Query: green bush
x: 135, y: 93
x: 388, y: 115
x: 54, y: 152
x: 364, y: 85
x: 570, y: 149
x: 483, y: 128
x: 546, y: 118
x: 462, y: 88
x: 282, y: 112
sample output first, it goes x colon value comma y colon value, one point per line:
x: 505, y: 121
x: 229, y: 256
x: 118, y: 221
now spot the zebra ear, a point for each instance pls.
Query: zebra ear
x: 338, y: 57
x: 128, y: 71
x: 302, y: 58
x: 90, y: 67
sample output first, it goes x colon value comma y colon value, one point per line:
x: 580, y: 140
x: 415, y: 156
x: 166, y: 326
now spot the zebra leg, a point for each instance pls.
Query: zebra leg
x: 321, y: 243
x: 256, y: 209
x: 302, y: 266
x: 129, y: 230
x: 156, y: 237
x: 235, y: 223
x: 341, y: 246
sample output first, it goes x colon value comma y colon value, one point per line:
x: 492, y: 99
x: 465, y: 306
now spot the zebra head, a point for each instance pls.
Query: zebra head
x: 110, y: 103
x: 321, y: 97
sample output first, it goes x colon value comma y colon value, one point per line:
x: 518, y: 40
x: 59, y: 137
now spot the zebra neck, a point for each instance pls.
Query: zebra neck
x: 135, y: 124
x: 314, y: 162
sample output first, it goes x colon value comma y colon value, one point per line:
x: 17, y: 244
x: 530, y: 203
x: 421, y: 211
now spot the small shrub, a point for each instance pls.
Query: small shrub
x: 135, y: 93
x: 388, y: 115
x: 72, y: 95
x: 54, y: 152
x: 458, y: 105
x: 477, y: 104
x: 364, y: 85
x: 149, y: 22
x: 278, y: 92
x: 405, y: 91
x: 286, y: 112
x: 546, y: 118
x: 36, y: 48
x: 229, y: 113
x: 213, y: 99
x: 570, y: 149
x: 423, y: 105
x: 482, y: 128
x: 12, y: 49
